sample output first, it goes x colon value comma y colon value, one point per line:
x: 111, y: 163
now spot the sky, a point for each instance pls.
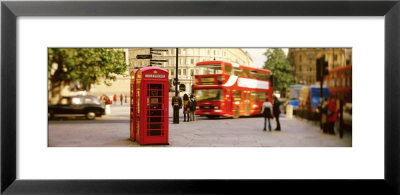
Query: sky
x: 257, y: 54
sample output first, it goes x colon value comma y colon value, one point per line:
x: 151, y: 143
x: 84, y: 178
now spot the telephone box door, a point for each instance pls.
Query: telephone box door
x: 157, y: 112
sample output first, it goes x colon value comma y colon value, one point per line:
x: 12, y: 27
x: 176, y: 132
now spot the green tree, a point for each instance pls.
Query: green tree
x: 280, y: 67
x: 79, y: 68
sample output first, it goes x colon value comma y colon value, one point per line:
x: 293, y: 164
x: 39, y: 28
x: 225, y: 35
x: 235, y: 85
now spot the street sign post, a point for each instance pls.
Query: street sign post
x: 146, y: 56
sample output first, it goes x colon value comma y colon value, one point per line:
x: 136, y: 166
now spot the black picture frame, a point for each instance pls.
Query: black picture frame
x: 10, y: 10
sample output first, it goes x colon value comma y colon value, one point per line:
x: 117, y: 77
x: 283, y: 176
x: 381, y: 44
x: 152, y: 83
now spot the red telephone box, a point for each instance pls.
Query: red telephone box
x: 149, y: 115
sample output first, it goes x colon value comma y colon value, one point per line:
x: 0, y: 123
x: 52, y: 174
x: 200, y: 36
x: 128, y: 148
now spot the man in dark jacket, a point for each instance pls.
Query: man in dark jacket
x: 277, y: 111
x: 176, y: 105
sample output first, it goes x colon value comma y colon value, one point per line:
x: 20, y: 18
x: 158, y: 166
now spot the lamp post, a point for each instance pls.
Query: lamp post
x: 176, y: 100
x: 176, y: 73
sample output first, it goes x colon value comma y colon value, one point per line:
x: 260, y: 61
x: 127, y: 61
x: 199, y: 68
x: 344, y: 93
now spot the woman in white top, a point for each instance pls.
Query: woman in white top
x: 266, y: 110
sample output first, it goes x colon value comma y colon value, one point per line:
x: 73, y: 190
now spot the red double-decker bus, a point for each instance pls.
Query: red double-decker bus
x: 230, y: 90
x: 339, y: 82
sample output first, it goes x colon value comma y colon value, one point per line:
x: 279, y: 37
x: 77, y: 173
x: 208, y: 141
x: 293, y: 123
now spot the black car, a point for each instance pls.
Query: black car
x: 88, y: 106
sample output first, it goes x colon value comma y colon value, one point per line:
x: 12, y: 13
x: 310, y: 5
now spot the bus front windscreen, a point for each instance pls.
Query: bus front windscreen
x: 208, y: 95
x: 293, y: 93
x: 210, y: 69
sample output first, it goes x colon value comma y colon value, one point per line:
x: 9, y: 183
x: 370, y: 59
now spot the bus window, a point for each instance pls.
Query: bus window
x: 258, y: 96
x: 210, y: 69
x: 236, y: 71
x: 254, y: 96
x: 228, y: 69
x: 254, y: 74
x: 261, y: 96
x: 264, y: 76
x: 237, y: 95
x: 246, y: 73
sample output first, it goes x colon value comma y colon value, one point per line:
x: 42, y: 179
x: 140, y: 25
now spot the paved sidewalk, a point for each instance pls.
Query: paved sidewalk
x: 247, y: 132
x: 113, y: 131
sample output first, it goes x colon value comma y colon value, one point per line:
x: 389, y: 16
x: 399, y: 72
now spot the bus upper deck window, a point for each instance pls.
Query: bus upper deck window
x: 246, y: 73
x: 236, y: 71
x: 228, y: 70
x: 253, y: 74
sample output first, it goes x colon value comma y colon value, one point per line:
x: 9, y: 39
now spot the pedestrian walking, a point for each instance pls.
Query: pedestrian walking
x: 193, y: 108
x: 340, y: 116
x: 186, y: 107
x: 126, y: 99
x: 103, y: 99
x: 121, y: 98
x: 266, y: 110
x: 277, y: 111
x: 324, y: 115
x: 115, y: 98
x: 176, y: 104
x: 332, y: 115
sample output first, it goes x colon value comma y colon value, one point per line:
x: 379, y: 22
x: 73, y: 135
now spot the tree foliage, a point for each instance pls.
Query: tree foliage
x: 82, y: 67
x: 280, y: 67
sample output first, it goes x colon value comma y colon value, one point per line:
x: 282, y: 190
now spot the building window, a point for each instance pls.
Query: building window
x: 191, y: 61
x: 335, y: 57
x: 311, y: 58
x: 179, y: 72
x: 184, y: 71
x: 172, y: 72
x: 300, y: 58
x: 191, y: 72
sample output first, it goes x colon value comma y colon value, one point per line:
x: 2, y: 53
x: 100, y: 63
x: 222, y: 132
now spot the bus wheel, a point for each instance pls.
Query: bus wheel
x: 236, y: 115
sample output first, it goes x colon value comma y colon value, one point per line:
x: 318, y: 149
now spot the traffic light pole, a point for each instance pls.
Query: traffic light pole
x: 176, y: 73
x: 176, y: 108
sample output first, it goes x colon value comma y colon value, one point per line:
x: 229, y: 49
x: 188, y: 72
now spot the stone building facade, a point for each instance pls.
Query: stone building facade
x: 188, y: 57
x: 303, y: 61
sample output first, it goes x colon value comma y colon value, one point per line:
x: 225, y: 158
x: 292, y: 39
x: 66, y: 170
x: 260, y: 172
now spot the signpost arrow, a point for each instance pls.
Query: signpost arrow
x: 156, y: 53
x: 147, y: 56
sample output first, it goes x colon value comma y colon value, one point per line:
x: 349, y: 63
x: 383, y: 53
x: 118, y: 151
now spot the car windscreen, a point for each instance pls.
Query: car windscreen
x: 91, y: 100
